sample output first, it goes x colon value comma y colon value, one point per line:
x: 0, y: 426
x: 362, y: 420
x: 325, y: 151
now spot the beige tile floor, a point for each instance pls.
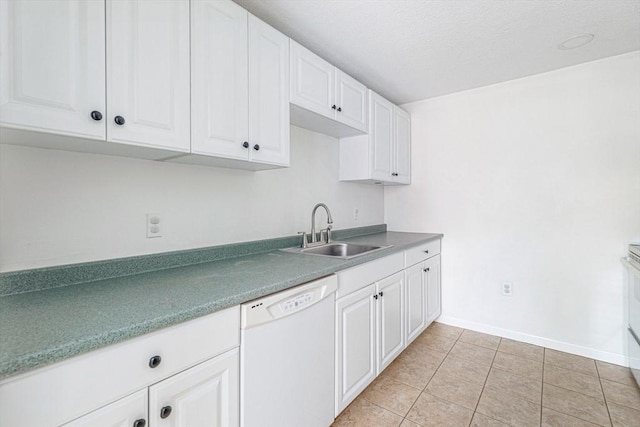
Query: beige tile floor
x: 455, y: 377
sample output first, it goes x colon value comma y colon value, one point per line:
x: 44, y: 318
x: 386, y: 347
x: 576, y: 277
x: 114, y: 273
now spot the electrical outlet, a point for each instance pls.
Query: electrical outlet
x: 154, y: 225
x: 507, y: 289
x: 356, y: 214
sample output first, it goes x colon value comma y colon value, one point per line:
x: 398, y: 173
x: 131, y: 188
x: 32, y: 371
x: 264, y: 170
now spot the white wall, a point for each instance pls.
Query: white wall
x: 61, y: 207
x: 536, y: 182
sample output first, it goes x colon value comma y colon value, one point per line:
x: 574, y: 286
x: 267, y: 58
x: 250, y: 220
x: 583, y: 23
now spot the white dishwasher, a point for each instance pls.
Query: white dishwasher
x: 287, y: 357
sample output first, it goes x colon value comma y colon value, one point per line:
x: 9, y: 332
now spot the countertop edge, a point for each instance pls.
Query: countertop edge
x: 27, y: 363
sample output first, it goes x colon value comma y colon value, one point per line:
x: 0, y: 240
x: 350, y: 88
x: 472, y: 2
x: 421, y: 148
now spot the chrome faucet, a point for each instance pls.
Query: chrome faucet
x: 327, y: 230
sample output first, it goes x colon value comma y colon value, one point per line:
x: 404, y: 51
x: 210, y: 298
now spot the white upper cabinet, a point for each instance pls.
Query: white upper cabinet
x: 114, y: 74
x: 239, y: 87
x: 381, y: 137
x: 52, y: 66
x: 351, y: 101
x: 148, y: 73
x: 219, y: 75
x: 402, y: 150
x: 338, y: 101
x: 384, y: 155
x: 312, y: 81
x: 268, y: 94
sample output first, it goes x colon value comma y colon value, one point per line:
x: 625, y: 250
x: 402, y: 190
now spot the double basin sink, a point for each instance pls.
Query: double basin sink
x: 341, y: 250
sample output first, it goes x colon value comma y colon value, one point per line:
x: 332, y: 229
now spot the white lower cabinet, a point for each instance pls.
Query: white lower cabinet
x: 203, y: 396
x: 369, y: 335
x: 432, y: 283
x: 376, y: 321
x: 191, y: 367
x: 130, y: 411
x: 390, y: 319
x: 423, y: 296
x: 416, y: 299
x: 355, y: 344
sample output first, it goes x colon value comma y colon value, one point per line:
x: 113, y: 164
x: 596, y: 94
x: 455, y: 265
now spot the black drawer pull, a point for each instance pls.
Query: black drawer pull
x: 96, y: 115
x: 154, y: 362
x: 165, y: 412
x: 426, y: 269
x: 245, y: 144
x: 119, y: 120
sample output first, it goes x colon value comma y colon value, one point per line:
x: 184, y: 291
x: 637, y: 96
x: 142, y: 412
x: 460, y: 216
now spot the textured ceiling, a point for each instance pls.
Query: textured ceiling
x: 408, y: 50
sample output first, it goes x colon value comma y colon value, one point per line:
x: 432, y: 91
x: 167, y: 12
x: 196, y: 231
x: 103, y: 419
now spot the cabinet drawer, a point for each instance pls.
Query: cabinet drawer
x: 68, y: 389
x: 421, y: 252
x: 365, y: 274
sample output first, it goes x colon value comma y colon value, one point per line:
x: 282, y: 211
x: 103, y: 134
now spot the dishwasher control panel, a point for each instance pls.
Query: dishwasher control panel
x: 287, y: 302
x: 296, y: 302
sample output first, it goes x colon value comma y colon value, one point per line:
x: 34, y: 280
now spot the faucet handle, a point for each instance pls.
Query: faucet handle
x: 304, y: 239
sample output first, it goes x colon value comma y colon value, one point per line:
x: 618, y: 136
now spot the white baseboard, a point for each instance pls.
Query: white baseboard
x: 617, y: 359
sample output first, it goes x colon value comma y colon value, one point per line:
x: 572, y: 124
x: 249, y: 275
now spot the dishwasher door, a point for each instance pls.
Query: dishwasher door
x: 287, y: 358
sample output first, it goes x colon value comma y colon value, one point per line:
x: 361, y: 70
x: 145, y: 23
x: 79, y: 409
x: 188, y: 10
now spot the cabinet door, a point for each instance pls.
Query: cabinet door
x: 432, y: 279
x: 148, y: 73
x: 355, y: 344
x: 416, y: 299
x: 204, y: 396
x: 121, y: 413
x: 391, y: 319
x: 268, y: 94
x: 402, y: 147
x: 351, y: 100
x: 219, y: 88
x: 380, y: 136
x: 312, y: 81
x: 52, y: 66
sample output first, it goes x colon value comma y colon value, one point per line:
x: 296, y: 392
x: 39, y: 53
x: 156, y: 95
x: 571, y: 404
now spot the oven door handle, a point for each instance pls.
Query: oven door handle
x: 633, y: 334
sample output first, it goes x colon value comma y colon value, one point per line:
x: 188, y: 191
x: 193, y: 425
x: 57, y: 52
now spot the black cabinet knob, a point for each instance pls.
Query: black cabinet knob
x: 96, y: 115
x: 394, y: 174
x: 256, y: 147
x: 334, y: 106
x: 426, y: 269
x: 165, y: 412
x: 375, y: 296
x: 139, y: 423
x: 427, y: 251
x: 381, y: 294
x: 154, y: 362
x: 245, y: 144
x: 119, y: 120
x: 339, y: 108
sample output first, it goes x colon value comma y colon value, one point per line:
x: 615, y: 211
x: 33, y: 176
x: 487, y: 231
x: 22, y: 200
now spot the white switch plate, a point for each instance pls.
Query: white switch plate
x: 154, y: 225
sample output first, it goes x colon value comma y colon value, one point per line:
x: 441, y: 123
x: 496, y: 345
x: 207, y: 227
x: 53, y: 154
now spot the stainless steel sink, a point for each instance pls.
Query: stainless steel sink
x: 340, y: 250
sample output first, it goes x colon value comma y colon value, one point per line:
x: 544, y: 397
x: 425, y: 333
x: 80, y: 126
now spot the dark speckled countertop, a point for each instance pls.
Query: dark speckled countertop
x: 44, y: 326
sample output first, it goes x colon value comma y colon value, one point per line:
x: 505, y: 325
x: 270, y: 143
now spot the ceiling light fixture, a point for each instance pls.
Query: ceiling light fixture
x: 576, y: 42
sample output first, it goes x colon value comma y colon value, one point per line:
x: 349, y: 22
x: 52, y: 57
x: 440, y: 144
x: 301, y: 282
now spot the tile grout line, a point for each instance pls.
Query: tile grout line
x: 434, y: 373
x: 544, y: 357
x: 475, y: 410
x: 604, y: 396
x: 578, y: 392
